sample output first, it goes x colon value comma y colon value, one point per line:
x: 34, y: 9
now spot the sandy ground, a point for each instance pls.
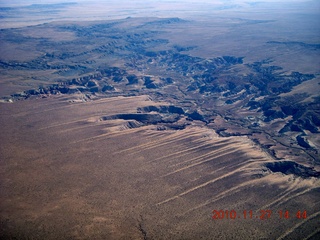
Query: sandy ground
x: 66, y: 174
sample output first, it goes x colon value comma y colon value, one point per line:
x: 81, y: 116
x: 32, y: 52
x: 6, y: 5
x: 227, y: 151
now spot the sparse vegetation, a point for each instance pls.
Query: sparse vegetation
x: 164, y: 118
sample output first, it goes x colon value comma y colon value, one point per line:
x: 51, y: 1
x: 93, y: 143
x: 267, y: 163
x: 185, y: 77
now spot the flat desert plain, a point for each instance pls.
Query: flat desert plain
x: 68, y: 174
x: 160, y: 120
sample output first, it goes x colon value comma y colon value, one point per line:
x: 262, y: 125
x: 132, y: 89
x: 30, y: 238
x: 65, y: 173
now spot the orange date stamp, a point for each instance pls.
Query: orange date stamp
x: 262, y: 215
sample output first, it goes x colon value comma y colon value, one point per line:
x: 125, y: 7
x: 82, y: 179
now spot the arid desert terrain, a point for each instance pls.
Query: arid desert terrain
x: 160, y: 120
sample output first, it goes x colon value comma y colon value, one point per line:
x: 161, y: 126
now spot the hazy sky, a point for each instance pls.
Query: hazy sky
x: 115, y: 9
x: 26, y: 2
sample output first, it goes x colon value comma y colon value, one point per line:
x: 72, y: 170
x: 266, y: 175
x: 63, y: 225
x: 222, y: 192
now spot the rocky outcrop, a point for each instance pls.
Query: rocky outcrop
x: 107, y: 88
x: 140, y: 117
x: 195, y: 115
x: 302, y: 141
x: 145, y: 63
x: 162, y: 109
x: 290, y: 167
